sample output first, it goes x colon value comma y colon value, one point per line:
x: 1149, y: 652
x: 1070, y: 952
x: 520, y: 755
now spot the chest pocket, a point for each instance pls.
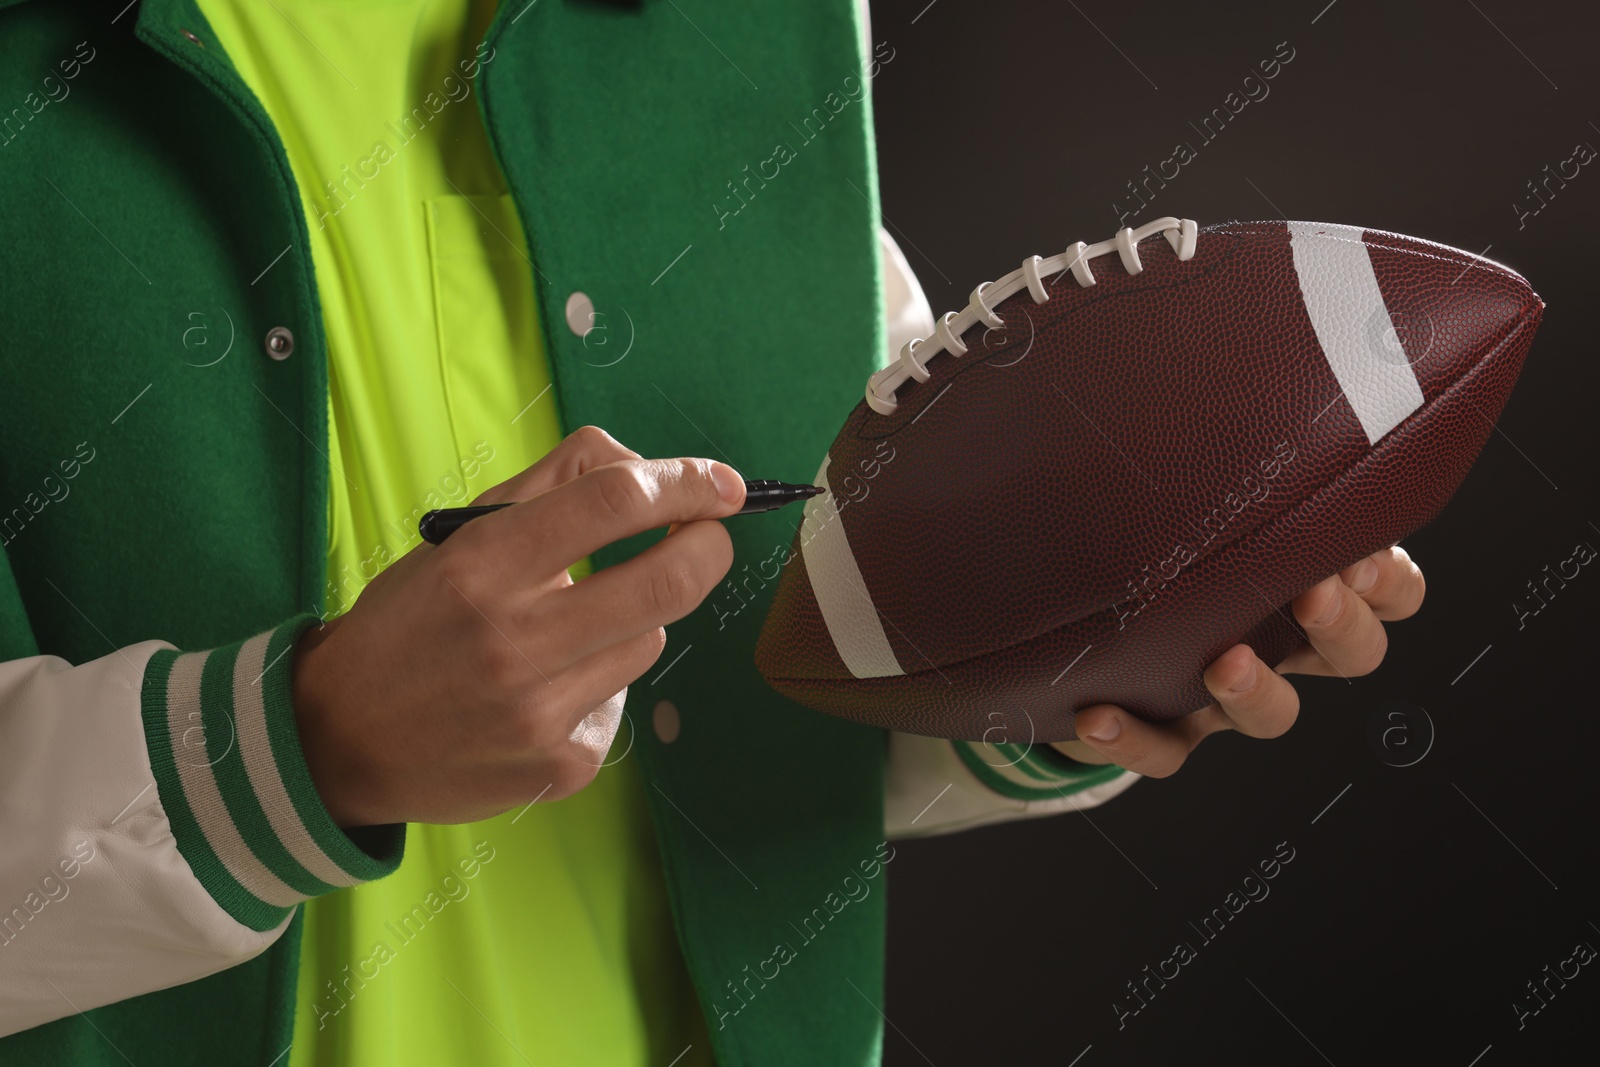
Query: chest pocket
x: 495, y: 375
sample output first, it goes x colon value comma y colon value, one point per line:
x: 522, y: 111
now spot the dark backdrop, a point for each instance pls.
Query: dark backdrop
x: 1419, y: 904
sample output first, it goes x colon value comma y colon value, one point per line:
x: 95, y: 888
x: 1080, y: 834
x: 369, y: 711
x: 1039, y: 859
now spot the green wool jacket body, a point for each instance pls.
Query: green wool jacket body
x: 157, y: 190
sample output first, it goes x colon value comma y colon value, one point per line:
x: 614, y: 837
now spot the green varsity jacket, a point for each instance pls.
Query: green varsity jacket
x: 144, y: 498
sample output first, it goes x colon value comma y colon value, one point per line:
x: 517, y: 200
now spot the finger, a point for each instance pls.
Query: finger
x: 1259, y: 701
x: 555, y: 738
x: 592, y: 681
x: 582, y: 450
x: 601, y: 684
x: 1346, y: 638
x: 543, y: 718
x: 615, y: 501
x: 660, y: 585
x: 1151, y: 749
x: 1390, y: 583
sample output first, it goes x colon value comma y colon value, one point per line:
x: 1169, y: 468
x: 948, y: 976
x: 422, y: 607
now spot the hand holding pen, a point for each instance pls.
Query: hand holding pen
x: 476, y: 676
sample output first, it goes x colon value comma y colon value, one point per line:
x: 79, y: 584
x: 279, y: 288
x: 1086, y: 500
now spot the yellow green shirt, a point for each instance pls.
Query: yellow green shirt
x: 542, y: 936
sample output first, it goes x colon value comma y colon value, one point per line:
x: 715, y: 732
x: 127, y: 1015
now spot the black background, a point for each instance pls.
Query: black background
x: 1420, y: 903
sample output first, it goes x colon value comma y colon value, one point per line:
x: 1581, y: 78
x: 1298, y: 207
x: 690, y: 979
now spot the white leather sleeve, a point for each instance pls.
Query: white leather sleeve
x: 905, y: 305
x: 930, y: 789
x: 935, y: 786
x: 158, y: 820
x: 96, y: 903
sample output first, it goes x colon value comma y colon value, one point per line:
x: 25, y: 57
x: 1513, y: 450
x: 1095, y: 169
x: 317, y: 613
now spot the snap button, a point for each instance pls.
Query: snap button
x: 279, y: 343
x: 665, y: 720
x: 191, y: 37
x: 580, y: 313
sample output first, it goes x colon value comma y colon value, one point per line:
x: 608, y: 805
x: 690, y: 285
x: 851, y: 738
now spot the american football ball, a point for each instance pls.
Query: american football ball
x: 1117, y: 462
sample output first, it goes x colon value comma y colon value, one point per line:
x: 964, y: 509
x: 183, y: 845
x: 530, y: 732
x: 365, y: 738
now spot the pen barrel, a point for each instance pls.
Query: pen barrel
x: 759, y: 495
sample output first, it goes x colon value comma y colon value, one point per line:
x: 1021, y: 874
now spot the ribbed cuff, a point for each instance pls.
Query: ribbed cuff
x: 221, y: 731
x: 1031, y: 772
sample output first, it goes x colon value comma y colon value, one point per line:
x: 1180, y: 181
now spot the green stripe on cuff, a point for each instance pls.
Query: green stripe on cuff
x: 1041, y: 773
x: 220, y: 729
x: 1057, y: 765
x: 224, y: 746
x: 159, y: 719
x: 1020, y: 757
x: 387, y: 843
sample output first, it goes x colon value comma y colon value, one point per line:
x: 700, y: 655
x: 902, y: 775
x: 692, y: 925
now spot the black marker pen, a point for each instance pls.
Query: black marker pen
x: 759, y: 496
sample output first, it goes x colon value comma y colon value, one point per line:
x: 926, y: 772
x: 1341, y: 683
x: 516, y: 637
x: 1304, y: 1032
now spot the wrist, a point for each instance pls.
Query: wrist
x: 315, y: 722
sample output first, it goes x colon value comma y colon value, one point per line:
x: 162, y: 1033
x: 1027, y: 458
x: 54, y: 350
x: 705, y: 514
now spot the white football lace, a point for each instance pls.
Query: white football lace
x: 915, y: 356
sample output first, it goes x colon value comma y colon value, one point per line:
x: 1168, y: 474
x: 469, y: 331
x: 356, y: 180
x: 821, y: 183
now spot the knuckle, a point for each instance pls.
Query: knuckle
x: 589, y: 436
x: 468, y: 565
x: 674, y: 589
x: 459, y: 564
x: 453, y: 566
x: 621, y: 489
x: 498, y: 664
x: 594, y: 439
x: 595, y: 447
x: 695, y: 476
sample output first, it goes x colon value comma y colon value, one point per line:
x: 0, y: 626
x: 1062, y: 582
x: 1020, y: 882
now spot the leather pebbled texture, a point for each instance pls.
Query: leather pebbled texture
x: 1101, y: 497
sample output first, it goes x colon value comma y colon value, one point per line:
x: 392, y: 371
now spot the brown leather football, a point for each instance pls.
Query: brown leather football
x: 1116, y: 463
